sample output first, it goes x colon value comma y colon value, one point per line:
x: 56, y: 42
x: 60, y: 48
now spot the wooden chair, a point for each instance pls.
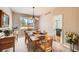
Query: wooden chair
x: 30, y: 43
x: 45, y: 45
x: 26, y: 36
x: 15, y: 33
x: 7, y: 42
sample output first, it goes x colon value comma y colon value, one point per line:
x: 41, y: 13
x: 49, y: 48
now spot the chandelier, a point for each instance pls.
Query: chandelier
x: 33, y: 17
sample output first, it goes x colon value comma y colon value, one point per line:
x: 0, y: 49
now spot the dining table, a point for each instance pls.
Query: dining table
x: 45, y: 45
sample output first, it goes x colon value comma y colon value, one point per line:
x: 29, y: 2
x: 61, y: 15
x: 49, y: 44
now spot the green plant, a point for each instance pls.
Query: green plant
x: 71, y: 38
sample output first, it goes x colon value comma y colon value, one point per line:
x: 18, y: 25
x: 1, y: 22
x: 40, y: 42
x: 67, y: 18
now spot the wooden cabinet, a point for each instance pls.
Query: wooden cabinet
x: 7, y: 42
x: 1, y: 14
x: 4, y: 19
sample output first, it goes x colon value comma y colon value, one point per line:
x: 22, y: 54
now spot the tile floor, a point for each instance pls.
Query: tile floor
x: 20, y: 46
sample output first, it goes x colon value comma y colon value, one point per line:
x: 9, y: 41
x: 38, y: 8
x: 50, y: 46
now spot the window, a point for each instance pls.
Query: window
x: 25, y: 22
x: 59, y: 22
x: 5, y: 21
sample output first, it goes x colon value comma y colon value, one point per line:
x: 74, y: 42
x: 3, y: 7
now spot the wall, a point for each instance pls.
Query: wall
x: 78, y: 20
x: 8, y: 11
x: 70, y: 20
x: 46, y: 23
x: 78, y: 25
x: 16, y: 20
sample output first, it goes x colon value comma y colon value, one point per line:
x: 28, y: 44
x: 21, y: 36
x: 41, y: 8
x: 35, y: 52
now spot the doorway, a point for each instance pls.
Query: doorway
x: 58, y: 28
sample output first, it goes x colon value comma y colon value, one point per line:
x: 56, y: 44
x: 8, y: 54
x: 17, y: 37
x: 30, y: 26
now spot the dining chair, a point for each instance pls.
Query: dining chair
x: 26, y: 36
x: 30, y: 44
x: 44, y: 42
x: 16, y: 33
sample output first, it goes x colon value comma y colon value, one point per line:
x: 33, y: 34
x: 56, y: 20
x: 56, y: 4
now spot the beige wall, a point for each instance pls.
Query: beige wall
x: 78, y: 20
x: 8, y: 11
x: 46, y: 23
x: 16, y: 20
x: 70, y: 20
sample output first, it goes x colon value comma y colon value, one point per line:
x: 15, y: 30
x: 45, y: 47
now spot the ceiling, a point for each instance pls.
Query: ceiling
x: 29, y: 10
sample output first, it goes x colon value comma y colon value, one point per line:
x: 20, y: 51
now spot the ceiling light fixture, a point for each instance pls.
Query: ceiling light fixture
x: 33, y: 13
x: 34, y: 18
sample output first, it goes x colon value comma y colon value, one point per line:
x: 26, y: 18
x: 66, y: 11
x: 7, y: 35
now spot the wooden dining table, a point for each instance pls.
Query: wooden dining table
x: 44, y: 46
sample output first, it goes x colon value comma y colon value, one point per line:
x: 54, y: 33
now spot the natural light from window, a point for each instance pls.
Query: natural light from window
x: 26, y: 23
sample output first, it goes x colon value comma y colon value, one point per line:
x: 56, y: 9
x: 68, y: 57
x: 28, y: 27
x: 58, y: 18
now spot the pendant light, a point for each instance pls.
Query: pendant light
x: 34, y: 18
x: 33, y: 14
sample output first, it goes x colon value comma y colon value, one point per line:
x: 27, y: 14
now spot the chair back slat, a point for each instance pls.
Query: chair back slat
x: 27, y: 37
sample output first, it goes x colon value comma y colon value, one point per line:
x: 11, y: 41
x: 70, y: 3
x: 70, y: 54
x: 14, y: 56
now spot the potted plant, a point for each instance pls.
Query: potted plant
x: 71, y: 38
x: 7, y: 32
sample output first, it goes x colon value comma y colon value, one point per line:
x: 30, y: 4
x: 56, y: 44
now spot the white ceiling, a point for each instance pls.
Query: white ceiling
x: 29, y: 10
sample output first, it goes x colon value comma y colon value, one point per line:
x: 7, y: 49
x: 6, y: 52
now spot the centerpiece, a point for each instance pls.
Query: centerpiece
x: 71, y: 38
